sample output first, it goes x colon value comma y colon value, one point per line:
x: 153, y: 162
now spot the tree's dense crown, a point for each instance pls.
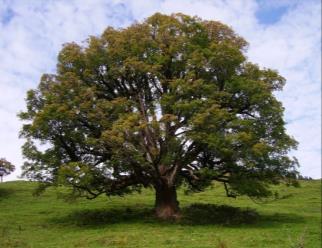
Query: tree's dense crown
x: 166, y: 102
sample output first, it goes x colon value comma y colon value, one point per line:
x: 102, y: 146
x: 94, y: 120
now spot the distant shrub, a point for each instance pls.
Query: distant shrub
x: 5, y: 168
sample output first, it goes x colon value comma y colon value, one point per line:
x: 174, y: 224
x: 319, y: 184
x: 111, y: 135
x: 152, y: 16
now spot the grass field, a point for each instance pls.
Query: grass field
x: 210, y: 220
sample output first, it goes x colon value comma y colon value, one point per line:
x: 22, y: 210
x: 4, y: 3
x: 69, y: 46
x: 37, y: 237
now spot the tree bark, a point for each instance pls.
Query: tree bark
x: 166, y: 203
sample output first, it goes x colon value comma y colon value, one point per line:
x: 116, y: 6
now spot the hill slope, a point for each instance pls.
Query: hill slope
x: 215, y: 221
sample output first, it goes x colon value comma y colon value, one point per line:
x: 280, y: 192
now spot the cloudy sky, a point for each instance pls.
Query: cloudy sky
x: 283, y: 35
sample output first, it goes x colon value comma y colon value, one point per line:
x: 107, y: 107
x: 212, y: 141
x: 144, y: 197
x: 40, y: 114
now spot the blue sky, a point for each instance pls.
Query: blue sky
x: 270, y: 15
x: 7, y: 15
x: 283, y: 34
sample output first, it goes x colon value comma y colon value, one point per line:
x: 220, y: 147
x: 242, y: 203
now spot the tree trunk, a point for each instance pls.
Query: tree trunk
x: 166, y: 204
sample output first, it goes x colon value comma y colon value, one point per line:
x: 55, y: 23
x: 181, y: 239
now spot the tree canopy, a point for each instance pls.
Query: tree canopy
x: 167, y: 102
x: 5, y: 168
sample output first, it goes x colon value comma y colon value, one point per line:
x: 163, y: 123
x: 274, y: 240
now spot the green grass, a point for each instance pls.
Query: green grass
x: 210, y: 220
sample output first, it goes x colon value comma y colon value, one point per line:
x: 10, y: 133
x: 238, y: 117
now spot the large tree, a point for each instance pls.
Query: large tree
x: 171, y: 101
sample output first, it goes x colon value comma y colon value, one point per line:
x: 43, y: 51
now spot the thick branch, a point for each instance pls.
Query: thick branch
x: 228, y: 193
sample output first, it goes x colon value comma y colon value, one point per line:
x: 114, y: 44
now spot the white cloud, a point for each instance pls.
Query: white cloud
x: 31, y: 39
x: 294, y: 49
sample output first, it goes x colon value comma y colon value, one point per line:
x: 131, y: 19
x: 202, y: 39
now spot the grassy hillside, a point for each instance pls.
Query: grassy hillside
x: 211, y: 220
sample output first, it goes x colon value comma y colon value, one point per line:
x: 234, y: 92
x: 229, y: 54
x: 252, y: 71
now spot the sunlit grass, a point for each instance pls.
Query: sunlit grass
x: 209, y: 220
